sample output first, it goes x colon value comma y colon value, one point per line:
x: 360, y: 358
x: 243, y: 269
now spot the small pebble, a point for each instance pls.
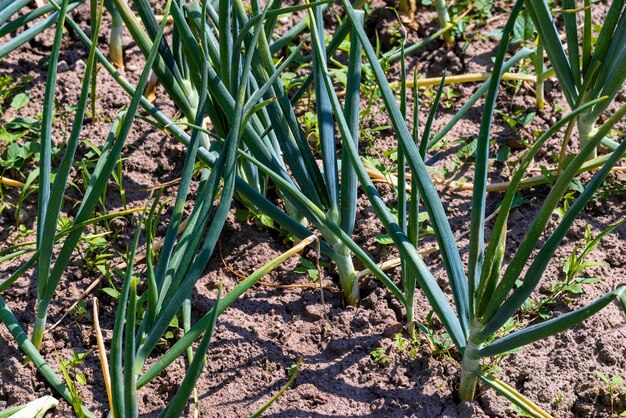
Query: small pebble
x: 359, y: 322
x: 393, y: 329
x: 377, y: 404
x: 62, y: 66
x: 80, y: 65
x: 314, y: 312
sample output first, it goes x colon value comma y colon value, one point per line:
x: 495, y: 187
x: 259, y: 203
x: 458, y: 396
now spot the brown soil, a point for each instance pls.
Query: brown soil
x: 269, y: 329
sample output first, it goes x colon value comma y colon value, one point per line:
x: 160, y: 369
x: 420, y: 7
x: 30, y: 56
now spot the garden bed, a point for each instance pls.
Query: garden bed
x: 356, y: 361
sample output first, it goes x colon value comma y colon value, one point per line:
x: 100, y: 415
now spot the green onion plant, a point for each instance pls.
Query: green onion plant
x: 172, y: 274
x: 50, y: 198
x: 468, y: 326
x: 273, y: 143
x: 322, y: 198
x: 487, y: 297
x: 591, y: 68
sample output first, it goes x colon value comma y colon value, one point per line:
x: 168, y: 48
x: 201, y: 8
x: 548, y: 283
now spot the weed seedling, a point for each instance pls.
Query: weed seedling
x: 81, y: 310
x: 574, y: 266
x: 440, y: 345
x: 309, y: 268
x: 379, y: 356
x: 614, y: 386
x: 558, y: 399
x: 96, y: 253
x: 406, y: 345
x: 72, y: 375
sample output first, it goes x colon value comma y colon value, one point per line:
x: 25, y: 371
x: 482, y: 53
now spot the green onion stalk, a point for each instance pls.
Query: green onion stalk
x: 116, y: 51
x: 48, y: 197
x: 347, y: 273
x: 444, y: 21
x: 401, y: 190
x: 586, y: 127
x: 408, y: 215
x: 470, y: 366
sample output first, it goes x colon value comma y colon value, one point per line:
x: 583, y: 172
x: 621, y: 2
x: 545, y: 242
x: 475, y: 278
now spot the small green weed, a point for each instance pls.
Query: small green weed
x: 559, y: 398
x: 81, y: 310
x: 612, y: 187
x: 14, y: 90
x: 448, y: 95
x: 245, y: 214
x: 72, y: 376
x: 408, y: 346
x: 614, y: 386
x: 441, y: 344
x: 573, y: 267
x: 310, y: 268
x: 518, y: 118
x: 379, y: 356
